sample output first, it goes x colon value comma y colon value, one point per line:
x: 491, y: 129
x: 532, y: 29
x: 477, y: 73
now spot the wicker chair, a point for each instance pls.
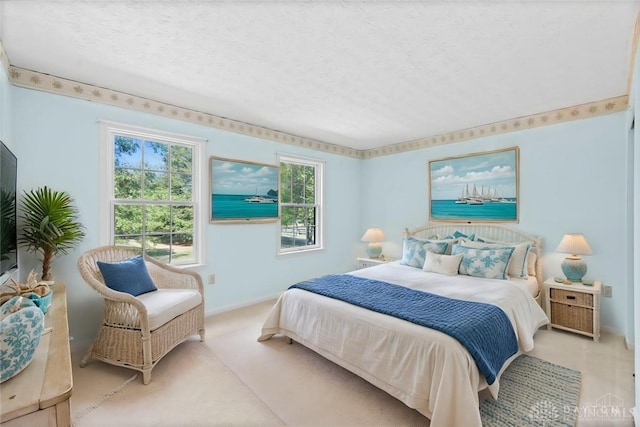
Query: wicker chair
x: 136, y: 332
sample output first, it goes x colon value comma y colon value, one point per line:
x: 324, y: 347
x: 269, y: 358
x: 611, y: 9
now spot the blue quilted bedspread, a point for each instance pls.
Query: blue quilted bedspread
x: 484, y: 329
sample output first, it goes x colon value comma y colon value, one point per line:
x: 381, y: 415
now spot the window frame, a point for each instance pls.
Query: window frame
x: 108, y: 131
x: 318, y: 203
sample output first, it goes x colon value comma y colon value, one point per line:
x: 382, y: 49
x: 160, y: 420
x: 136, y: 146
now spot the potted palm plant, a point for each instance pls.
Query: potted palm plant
x: 49, y: 225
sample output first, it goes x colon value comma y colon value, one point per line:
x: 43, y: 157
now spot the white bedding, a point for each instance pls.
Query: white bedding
x: 424, y: 368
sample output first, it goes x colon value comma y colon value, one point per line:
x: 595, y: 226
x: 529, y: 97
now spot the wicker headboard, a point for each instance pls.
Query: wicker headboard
x: 488, y: 230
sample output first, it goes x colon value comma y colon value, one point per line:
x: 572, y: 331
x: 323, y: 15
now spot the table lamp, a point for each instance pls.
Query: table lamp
x: 374, y: 236
x: 573, y: 267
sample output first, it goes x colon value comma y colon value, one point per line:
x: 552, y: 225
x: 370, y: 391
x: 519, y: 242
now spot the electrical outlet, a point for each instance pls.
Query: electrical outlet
x: 606, y: 291
x: 212, y: 279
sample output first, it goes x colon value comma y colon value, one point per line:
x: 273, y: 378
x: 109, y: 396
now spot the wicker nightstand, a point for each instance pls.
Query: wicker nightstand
x: 573, y: 307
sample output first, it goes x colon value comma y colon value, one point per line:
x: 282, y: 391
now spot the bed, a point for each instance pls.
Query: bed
x: 423, y: 367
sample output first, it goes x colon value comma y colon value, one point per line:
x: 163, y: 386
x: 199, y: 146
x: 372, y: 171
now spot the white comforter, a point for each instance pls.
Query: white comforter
x: 426, y: 369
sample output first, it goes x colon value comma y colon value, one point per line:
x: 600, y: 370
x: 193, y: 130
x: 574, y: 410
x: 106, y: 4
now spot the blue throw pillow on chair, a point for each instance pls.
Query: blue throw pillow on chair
x: 130, y: 276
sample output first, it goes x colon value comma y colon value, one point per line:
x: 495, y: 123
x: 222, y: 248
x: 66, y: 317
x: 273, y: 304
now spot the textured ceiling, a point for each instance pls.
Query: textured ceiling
x: 354, y: 73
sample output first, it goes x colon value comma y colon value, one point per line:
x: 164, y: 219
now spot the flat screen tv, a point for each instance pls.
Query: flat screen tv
x: 8, y: 233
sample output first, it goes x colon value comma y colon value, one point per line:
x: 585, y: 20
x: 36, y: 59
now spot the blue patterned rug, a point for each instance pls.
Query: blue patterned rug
x: 533, y: 392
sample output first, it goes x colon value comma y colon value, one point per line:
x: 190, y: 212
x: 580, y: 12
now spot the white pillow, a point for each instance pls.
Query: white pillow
x: 518, y: 262
x: 443, y: 264
x: 531, y: 263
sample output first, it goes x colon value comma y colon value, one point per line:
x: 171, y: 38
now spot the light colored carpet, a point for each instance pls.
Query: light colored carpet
x: 189, y: 387
x: 304, y: 389
x: 233, y: 380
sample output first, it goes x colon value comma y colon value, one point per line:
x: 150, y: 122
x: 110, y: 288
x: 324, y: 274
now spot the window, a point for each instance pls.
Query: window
x: 153, y: 187
x: 300, y: 204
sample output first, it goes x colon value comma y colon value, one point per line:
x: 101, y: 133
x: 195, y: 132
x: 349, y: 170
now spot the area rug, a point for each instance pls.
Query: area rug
x: 534, y: 392
x: 189, y: 387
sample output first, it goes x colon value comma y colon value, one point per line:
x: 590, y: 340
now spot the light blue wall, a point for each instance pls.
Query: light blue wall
x: 57, y: 143
x: 573, y: 178
x: 634, y: 102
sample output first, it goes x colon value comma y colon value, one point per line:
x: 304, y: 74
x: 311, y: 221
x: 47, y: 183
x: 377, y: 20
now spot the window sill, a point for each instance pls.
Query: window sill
x: 301, y: 251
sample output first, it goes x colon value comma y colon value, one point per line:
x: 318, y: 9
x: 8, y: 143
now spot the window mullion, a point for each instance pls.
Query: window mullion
x: 154, y: 221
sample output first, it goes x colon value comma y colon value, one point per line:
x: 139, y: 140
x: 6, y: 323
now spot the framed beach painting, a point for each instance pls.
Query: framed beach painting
x: 243, y: 191
x: 475, y: 187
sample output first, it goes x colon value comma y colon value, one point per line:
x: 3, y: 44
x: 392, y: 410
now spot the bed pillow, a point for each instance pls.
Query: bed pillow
x: 488, y: 263
x: 518, y: 264
x: 130, y: 276
x: 415, y: 250
x: 460, y: 235
x: 531, y: 263
x: 448, y: 241
x: 442, y: 264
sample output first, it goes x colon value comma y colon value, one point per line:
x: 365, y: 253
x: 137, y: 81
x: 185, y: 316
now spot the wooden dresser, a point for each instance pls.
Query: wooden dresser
x: 39, y: 395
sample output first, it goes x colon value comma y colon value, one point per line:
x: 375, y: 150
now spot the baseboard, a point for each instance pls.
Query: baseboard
x: 79, y: 345
x: 629, y: 345
x: 220, y: 310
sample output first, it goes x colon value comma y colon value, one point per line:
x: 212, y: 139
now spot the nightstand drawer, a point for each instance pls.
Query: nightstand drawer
x: 571, y: 316
x: 572, y: 298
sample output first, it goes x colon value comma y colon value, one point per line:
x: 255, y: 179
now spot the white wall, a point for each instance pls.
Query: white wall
x: 573, y: 178
x: 56, y: 141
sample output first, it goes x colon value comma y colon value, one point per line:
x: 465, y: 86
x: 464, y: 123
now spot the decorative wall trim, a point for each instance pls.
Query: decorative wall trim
x: 48, y: 83
x: 584, y: 111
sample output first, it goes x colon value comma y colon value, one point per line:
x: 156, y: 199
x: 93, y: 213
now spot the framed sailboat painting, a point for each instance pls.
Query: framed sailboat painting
x: 243, y: 191
x: 476, y: 187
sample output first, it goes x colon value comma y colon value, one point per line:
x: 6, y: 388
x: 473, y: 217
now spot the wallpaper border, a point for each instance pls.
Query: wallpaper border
x: 577, y: 112
x: 35, y: 80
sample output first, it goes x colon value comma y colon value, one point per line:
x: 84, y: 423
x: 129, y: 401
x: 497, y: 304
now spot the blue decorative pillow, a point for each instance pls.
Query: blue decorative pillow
x: 459, y: 235
x: 518, y: 265
x: 415, y: 250
x: 130, y: 276
x: 488, y: 263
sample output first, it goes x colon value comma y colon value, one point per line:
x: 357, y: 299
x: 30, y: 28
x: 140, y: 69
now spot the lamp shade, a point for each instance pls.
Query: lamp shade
x: 574, y: 244
x: 573, y: 267
x: 374, y: 236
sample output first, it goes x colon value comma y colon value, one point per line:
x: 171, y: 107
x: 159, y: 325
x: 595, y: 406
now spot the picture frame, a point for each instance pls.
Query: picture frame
x: 242, y: 191
x: 477, y: 187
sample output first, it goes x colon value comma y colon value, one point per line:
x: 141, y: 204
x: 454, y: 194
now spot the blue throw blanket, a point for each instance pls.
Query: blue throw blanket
x: 484, y: 329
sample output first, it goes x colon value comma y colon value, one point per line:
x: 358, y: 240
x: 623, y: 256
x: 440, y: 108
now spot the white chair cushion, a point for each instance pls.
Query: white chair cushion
x: 166, y: 304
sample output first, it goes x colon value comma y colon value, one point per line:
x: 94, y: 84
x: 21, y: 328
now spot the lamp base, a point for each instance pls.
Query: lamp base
x: 574, y: 268
x: 374, y: 250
